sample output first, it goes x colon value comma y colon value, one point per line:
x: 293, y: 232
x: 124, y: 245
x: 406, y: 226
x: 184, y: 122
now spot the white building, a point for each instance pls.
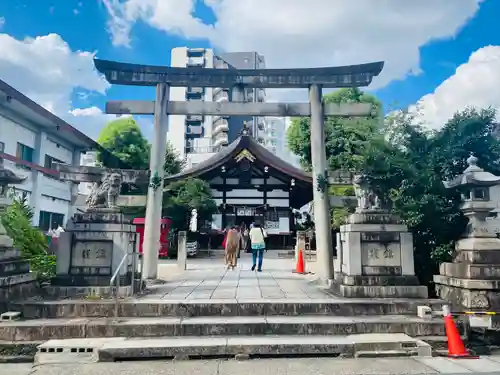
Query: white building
x: 89, y: 159
x: 197, y: 137
x: 31, y: 139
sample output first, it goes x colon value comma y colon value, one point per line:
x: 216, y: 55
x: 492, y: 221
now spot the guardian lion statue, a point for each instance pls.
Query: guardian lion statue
x: 367, y: 199
x: 105, y: 194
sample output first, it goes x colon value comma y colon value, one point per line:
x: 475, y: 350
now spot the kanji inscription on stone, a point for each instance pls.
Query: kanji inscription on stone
x: 92, y: 254
x: 388, y: 253
x: 380, y: 255
x: 373, y: 253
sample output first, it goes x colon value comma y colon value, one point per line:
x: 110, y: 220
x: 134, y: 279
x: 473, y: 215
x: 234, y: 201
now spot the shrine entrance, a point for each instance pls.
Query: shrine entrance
x: 313, y: 79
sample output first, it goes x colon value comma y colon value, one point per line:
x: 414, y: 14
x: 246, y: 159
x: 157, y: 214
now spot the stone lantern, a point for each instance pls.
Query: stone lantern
x: 16, y: 281
x: 472, y: 280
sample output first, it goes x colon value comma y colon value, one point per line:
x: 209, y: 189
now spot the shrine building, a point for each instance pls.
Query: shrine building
x: 249, y: 183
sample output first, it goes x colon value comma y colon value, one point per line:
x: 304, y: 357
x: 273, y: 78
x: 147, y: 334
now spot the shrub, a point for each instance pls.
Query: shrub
x: 29, y: 240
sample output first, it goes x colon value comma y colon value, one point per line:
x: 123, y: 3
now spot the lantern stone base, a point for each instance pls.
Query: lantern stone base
x: 472, y: 281
x: 16, y: 280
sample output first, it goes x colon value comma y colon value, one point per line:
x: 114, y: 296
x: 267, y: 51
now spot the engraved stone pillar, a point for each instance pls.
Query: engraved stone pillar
x: 182, y: 250
x: 322, y: 220
x: 90, y: 252
x: 154, y: 202
x: 375, y: 256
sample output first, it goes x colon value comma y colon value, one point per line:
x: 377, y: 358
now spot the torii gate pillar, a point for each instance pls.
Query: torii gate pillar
x: 322, y: 222
x: 155, y: 190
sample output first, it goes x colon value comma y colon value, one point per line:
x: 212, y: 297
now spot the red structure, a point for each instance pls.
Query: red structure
x: 166, y: 222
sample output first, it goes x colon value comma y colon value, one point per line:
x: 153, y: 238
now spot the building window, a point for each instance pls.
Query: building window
x: 2, y: 149
x: 25, y: 153
x: 49, y: 162
x: 50, y: 220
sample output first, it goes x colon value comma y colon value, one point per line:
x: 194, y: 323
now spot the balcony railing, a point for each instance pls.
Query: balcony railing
x: 221, y: 125
x: 194, y: 118
x: 194, y: 93
x: 195, y: 52
x: 221, y: 96
x: 194, y: 130
x: 196, y: 62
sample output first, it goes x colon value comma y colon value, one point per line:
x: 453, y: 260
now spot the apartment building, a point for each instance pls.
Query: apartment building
x: 198, y: 137
x: 273, y: 136
x: 31, y: 140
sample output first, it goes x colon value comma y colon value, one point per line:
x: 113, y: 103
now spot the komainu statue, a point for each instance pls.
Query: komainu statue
x: 367, y: 199
x: 105, y: 194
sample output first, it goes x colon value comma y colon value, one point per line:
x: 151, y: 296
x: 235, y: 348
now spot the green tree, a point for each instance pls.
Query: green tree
x: 181, y: 197
x: 173, y: 162
x: 124, y: 139
x: 29, y: 240
x: 346, y: 138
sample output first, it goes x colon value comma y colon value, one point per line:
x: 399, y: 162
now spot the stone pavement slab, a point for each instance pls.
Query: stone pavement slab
x: 277, y: 366
x: 209, y: 279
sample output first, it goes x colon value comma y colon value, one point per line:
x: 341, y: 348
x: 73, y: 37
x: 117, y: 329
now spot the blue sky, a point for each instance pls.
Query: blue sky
x: 432, y: 38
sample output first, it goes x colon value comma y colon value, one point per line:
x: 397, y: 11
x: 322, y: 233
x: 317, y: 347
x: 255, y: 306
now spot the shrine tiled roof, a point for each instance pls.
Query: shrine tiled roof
x: 244, y: 142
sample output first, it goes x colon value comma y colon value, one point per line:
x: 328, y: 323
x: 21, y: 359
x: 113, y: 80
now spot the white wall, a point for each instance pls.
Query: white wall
x: 45, y: 192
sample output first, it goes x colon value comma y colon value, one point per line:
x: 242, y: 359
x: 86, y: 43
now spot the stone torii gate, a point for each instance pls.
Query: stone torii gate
x: 314, y: 79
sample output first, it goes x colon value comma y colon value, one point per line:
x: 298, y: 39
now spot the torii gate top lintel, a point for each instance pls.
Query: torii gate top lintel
x: 148, y: 75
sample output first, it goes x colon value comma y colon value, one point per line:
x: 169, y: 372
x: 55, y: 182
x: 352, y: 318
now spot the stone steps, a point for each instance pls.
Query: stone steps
x: 149, y: 307
x: 107, y: 350
x: 45, y: 329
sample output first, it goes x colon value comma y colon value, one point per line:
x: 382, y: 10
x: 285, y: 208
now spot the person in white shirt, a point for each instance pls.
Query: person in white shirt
x: 258, y: 243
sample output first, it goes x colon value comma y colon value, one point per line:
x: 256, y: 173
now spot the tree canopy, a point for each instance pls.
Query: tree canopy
x: 124, y: 139
x: 346, y: 138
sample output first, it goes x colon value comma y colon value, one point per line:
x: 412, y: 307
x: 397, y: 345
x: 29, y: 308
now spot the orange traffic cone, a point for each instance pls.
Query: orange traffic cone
x: 456, y: 347
x: 299, y: 268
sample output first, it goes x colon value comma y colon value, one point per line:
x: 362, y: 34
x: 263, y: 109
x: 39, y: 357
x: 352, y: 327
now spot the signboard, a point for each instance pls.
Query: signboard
x: 245, y: 211
x: 92, y: 254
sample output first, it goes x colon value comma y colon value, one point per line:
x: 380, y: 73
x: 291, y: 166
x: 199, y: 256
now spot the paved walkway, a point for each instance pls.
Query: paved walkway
x: 298, y: 366
x: 209, y: 279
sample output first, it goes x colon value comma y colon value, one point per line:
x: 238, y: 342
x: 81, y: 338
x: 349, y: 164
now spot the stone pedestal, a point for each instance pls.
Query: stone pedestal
x: 375, y: 258
x: 472, y: 281
x: 91, y: 250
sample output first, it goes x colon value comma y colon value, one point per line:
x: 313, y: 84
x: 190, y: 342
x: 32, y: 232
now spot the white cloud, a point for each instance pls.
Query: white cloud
x: 475, y: 83
x: 47, y: 71
x: 298, y: 33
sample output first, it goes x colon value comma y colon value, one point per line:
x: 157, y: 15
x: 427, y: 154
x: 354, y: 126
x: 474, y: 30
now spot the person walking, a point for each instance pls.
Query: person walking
x: 233, y: 241
x: 258, y: 243
x: 244, y: 237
